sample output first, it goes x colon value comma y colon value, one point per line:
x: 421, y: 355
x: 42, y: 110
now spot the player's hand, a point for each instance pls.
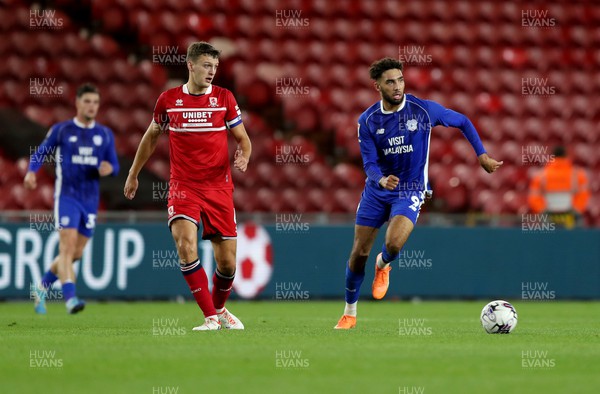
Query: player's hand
x: 239, y: 161
x: 489, y: 164
x: 389, y: 182
x: 131, y: 186
x: 105, y: 168
x: 30, y: 180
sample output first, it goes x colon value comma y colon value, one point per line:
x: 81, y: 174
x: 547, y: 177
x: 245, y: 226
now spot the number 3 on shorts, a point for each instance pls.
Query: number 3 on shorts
x: 91, y: 222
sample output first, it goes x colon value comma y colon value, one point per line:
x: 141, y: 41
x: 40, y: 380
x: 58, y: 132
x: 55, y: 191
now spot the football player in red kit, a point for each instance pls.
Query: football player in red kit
x: 197, y: 116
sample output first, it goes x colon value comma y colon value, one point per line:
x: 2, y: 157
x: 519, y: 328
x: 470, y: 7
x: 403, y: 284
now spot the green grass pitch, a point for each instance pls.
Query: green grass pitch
x: 290, y: 347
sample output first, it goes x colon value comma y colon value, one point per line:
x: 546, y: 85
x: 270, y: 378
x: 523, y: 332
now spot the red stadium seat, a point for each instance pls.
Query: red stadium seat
x: 243, y: 200
x: 17, y: 93
x: 248, y: 179
x: 160, y: 168
x: 41, y: 115
x: 19, y: 68
x: 294, y: 200
x: 349, y: 175
x: 270, y: 175
x: 322, y: 175
x: 72, y: 70
x: 296, y: 175
x: 347, y: 199
x: 269, y: 200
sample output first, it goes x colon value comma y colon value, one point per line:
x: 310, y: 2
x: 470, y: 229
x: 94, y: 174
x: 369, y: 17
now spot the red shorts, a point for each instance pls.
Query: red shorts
x: 214, y: 207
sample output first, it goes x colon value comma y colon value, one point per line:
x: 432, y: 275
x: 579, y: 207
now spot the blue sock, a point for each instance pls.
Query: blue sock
x: 68, y: 289
x: 48, y: 279
x: 387, y: 257
x: 353, y: 282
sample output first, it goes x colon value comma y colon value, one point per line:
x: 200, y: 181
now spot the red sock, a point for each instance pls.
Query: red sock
x: 221, y: 288
x: 195, y: 276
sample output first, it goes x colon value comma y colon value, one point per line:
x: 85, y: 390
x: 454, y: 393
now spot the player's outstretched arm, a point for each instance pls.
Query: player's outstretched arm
x: 489, y: 164
x: 242, y: 155
x: 144, y: 151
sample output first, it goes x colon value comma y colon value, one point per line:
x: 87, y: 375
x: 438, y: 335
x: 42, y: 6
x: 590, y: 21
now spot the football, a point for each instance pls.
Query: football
x: 499, y: 317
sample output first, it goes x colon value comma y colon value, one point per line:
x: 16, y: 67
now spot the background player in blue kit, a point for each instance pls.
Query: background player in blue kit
x: 84, y: 151
x: 394, y: 138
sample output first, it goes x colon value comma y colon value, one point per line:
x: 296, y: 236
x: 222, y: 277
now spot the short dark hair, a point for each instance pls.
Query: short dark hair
x: 87, y: 88
x: 197, y: 49
x: 382, y: 65
x: 560, y: 151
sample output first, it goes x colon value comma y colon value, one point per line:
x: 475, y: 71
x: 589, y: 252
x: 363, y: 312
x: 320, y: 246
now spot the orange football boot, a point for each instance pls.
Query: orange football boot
x: 381, y: 281
x: 346, y: 322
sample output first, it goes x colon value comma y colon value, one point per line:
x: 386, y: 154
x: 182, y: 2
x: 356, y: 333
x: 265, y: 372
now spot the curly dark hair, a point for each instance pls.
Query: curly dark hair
x: 382, y: 65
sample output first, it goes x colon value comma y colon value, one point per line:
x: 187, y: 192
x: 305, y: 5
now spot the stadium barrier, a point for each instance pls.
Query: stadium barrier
x: 302, y: 261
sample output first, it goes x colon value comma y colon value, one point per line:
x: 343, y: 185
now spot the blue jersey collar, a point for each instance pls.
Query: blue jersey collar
x: 402, y: 104
x: 83, y: 126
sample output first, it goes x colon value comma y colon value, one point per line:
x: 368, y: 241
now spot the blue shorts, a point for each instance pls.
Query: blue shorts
x: 70, y: 213
x: 377, y: 206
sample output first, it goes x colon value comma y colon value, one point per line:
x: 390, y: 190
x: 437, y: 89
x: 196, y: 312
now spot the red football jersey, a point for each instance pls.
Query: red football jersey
x: 197, y: 127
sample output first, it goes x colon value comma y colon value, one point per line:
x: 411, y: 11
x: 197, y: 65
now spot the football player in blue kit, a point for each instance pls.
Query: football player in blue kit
x: 84, y: 151
x: 394, y: 135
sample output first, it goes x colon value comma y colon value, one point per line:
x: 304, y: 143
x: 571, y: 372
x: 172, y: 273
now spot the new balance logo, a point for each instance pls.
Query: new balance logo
x: 380, y: 131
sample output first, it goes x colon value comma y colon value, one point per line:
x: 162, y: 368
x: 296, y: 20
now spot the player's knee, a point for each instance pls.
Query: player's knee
x: 67, y: 250
x: 393, y: 247
x: 186, y: 248
x: 358, y: 260
x: 226, y: 263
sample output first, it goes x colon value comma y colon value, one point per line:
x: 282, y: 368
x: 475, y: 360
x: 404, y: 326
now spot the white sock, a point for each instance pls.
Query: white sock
x: 219, y: 311
x: 350, y: 309
x: 381, y: 264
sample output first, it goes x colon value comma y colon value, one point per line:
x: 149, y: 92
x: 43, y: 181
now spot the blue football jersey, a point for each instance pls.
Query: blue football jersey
x: 397, y: 143
x: 78, y: 152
